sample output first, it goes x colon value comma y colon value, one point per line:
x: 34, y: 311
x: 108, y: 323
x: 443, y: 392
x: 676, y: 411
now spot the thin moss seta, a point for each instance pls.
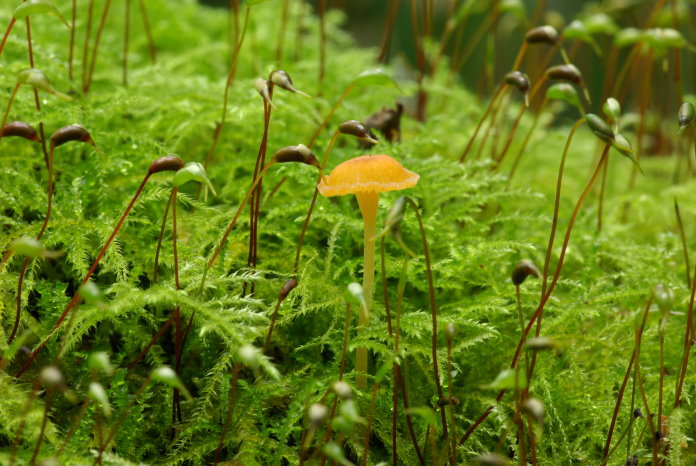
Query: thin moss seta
x: 90, y: 74
x: 166, y: 163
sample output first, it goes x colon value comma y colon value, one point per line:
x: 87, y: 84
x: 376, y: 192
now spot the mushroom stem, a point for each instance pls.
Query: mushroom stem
x: 368, y: 202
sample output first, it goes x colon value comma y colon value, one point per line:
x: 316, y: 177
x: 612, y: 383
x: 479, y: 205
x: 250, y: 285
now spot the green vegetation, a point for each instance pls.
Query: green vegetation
x: 533, y: 292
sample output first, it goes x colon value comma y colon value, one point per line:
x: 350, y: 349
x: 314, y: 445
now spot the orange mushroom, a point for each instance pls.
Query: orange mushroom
x: 367, y: 176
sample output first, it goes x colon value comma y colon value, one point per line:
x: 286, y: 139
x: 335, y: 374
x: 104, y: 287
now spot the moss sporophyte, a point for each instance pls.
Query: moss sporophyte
x: 366, y: 176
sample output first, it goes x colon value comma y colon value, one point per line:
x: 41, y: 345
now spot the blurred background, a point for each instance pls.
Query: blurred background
x: 485, y: 41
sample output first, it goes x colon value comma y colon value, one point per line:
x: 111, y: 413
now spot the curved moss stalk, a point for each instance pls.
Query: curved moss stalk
x: 644, y: 102
x: 229, y: 229
x: 388, y: 28
x: 495, y: 98
x: 155, y: 268
x: 420, y: 59
x: 682, y: 236
x: 322, y: 45
x: 71, y: 51
x: 288, y: 154
x: 326, y: 119
x: 433, y: 315
x: 73, y: 427
x: 398, y: 383
x: 387, y: 310
x: 602, y: 188
x: 148, y: 32
x: 255, y: 202
x: 557, y: 205
x: 526, y: 140
x: 458, y: 59
x: 225, y: 97
x: 121, y: 418
x: 47, y: 406
x: 635, y: 51
x: 37, y: 102
x: 25, y: 264
x: 398, y: 378
x: 639, y: 331
x: 76, y: 296
x: 305, y: 225
x: 23, y: 419
x: 649, y: 416
x: 539, y: 311
x: 9, y: 104
x: 515, y: 125
x: 61, y: 136
x: 85, y: 49
x: 90, y: 74
x: 7, y: 33
x: 689, y: 336
x: 178, y: 338
x: 284, y: 292
x: 489, y: 128
x: 126, y: 33
x: 370, y: 417
x: 538, y: 314
x: 508, y: 141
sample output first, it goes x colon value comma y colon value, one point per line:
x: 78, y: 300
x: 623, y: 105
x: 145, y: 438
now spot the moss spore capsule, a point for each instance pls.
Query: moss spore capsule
x: 542, y: 35
x: 664, y: 297
x: 287, y: 288
x: 261, y: 86
x: 71, y: 133
x: 600, y: 128
x: 519, y: 80
x: 19, y: 129
x: 565, y: 72
x: 282, y: 79
x: 299, y: 153
x: 318, y: 414
x: 343, y: 390
x: 522, y: 270
x: 535, y: 408
x: 540, y: 344
x: 52, y: 377
x: 686, y: 115
x: 491, y: 459
x: 169, y: 162
x: 451, y: 331
x: 612, y: 109
x: 357, y: 129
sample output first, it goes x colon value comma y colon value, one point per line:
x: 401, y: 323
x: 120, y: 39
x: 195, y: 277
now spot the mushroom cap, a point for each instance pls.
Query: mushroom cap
x: 367, y: 173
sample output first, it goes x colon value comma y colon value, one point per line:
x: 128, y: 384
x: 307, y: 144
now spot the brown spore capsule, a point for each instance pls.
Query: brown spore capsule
x: 299, y: 153
x: 517, y: 79
x: 354, y: 128
x: 542, y: 35
x: 71, y: 133
x: 169, y: 163
x: 565, y: 73
x: 19, y: 129
x: 522, y: 270
x: 287, y: 288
